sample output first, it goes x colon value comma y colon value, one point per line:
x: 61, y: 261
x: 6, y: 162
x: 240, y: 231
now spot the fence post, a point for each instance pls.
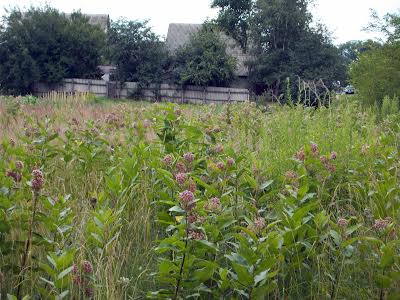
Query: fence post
x: 89, y: 83
x: 204, y: 95
x: 73, y: 86
x: 229, y: 95
x: 182, y: 94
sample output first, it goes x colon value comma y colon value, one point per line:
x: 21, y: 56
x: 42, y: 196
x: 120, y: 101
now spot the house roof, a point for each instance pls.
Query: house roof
x: 101, y: 20
x: 180, y: 33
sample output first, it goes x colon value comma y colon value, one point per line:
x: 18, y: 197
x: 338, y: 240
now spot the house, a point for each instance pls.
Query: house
x: 179, y: 34
x: 101, y: 20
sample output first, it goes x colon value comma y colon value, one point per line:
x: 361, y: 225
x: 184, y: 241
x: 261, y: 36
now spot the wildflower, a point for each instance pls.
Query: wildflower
x: 178, y: 112
x: 259, y: 223
x: 146, y: 123
x: 219, y: 149
x: 14, y: 175
x: 381, y: 224
x: 333, y: 155
x: 364, y: 149
x: 314, y: 148
x: 192, y: 218
x: 230, y: 162
x: 75, y: 269
x: 300, y: 155
x: 342, y: 222
x: 330, y: 167
x: 323, y: 159
x: 87, y: 267
x: 180, y: 167
x: 197, y: 235
x: 38, y: 180
x: 290, y: 175
x: 187, y: 199
x: 216, y: 129
x: 180, y: 178
x: 168, y: 159
x: 89, y: 292
x: 192, y: 186
x: 221, y: 166
x: 189, y: 157
x: 213, y: 205
x: 77, y: 280
x: 19, y: 165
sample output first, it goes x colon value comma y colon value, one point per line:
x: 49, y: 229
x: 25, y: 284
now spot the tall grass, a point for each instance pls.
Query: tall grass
x: 106, y: 156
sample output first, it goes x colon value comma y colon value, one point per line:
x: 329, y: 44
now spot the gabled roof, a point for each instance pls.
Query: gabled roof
x: 180, y: 33
x: 101, y: 20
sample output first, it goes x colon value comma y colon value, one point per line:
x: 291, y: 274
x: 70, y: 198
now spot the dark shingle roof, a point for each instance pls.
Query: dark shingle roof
x: 179, y: 34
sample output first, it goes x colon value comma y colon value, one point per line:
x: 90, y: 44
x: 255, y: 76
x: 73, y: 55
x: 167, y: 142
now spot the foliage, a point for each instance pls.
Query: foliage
x: 375, y: 74
x: 233, y: 19
x: 137, y: 52
x: 41, y: 44
x: 203, y: 61
x: 125, y: 200
x: 287, y: 46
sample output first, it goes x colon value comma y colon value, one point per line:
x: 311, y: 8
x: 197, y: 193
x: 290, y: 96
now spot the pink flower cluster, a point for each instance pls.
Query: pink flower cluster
x: 381, y: 224
x: 230, y: 162
x: 187, y: 200
x: 188, y: 157
x: 342, y: 222
x: 168, y: 159
x: 14, y: 175
x: 197, y: 235
x: 37, y: 181
x: 181, y: 178
x: 80, y: 277
x: 213, y: 205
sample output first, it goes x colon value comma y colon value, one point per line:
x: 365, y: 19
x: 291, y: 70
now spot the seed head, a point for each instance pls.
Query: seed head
x: 19, y: 165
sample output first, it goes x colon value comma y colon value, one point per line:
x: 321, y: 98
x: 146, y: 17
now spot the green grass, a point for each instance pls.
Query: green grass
x: 107, y: 157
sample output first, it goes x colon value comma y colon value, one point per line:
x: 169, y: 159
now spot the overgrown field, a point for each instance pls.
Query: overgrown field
x: 127, y: 200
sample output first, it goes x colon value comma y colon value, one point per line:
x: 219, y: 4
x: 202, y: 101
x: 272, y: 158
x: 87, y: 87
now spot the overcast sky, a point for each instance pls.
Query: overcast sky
x: 345, y: 18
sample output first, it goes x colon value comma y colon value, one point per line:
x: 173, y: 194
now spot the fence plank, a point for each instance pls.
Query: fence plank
x: 166, y: 92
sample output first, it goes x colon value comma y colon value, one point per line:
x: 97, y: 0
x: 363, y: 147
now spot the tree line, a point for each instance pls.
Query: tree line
x: 280, y: 37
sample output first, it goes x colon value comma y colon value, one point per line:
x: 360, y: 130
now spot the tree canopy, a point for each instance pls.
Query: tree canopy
x: 137, y: 52
x: 376, y: 72
x: 204, y: 61
x: 282, y: 42
x: 42, y: 44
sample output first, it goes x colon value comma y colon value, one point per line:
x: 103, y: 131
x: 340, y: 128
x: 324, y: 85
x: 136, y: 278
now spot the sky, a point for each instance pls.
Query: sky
x: 344, y: 18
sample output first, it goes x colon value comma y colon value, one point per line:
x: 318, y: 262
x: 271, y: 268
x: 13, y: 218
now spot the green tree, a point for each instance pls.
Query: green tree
x: 137, y: 52
x: 287, y: 46
x: 233, y: 19
x: 204, y: 61
x: 376, y: 73
x: 43, y: 45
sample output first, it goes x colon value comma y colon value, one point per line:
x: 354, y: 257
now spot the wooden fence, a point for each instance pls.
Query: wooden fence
x: 162, y: 92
